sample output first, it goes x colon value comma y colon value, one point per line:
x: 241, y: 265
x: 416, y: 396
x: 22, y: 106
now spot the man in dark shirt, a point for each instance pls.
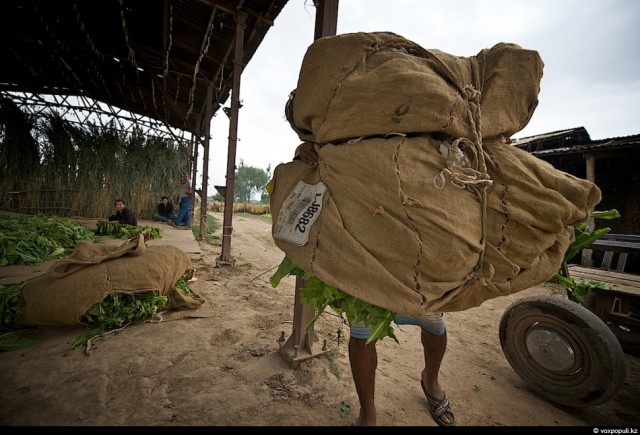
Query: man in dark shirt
x: 165, y: 210
x: 123, y: 214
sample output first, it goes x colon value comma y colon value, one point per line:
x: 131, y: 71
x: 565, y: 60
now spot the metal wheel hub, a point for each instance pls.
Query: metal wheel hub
x: 549, y: 350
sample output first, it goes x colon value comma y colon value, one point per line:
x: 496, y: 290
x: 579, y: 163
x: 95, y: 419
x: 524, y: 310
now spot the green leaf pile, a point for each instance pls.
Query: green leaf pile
x: 125, y: 231
x: 118, y: 310
x: 317, y: 295
x: 112, y: 312
x: 28, y: 239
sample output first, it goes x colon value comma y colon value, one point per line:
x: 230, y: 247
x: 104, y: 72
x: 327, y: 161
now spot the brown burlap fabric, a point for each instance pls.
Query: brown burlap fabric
x: 423, y: 221
x: 366, y: 84
x: 93, y: 271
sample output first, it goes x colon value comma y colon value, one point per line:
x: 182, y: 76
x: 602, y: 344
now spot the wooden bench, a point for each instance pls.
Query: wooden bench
x: 616, y: 246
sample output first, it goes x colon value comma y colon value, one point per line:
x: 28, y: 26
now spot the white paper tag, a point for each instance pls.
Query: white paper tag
x: 298, y: 213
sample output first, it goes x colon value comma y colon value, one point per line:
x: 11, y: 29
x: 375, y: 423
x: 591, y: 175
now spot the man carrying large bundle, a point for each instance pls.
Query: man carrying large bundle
x: 416, y: 183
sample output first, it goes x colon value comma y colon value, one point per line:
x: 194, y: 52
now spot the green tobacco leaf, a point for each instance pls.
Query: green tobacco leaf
x: 583, y: 286
x: 13, y: 340
x: 606, y: 214
x: 582, y: 241
x: 318, y: 295
x: 566, y: 282
x: 286, y: 268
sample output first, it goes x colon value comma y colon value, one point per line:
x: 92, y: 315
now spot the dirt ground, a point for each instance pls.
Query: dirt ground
x: 221, y: 365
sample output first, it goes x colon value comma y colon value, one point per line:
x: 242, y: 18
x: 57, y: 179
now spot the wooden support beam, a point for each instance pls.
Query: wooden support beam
x: 299, y: 346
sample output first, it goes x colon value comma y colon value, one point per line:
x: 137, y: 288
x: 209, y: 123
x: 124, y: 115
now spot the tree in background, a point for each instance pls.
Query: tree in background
x: 250, y: 181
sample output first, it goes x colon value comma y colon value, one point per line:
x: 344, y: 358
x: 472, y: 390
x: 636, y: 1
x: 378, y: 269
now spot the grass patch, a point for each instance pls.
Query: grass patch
x: 212, y: 225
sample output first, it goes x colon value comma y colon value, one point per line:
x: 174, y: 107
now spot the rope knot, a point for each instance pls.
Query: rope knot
x: 471, y: 94
x: 459, y: 166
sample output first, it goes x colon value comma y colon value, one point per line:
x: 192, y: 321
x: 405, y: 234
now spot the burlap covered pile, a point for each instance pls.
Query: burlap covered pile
x: 94, y: 271
x: 419, y: 203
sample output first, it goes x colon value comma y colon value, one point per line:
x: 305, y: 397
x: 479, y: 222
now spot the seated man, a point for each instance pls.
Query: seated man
x: 165, y: 210
x: 123, y: 214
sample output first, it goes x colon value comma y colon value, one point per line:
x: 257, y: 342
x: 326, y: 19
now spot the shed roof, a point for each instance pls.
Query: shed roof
x: 152, y: 58
x: 574, y: 141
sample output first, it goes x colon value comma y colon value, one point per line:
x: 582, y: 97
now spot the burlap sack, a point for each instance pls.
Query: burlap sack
x: 391, y: 233
x: 367, y: 84
x: 88, y: 253
x: 72, y: 286
x: 418, y: 203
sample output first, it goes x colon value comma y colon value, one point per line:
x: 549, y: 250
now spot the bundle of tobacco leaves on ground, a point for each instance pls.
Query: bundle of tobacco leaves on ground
x: 113, y: 312
x: 119, y: 310
x: 125, y: 231
x: 28, y: 239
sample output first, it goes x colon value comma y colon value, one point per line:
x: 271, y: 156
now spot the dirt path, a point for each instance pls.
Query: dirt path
x: 221, y: 365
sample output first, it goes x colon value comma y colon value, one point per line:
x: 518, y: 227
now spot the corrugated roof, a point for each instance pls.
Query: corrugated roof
x: 573, y: 141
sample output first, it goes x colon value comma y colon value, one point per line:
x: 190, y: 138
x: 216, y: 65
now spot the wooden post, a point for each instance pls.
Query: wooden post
x: 587, y: 259
x: 299, y: 346
x: 225, y: 256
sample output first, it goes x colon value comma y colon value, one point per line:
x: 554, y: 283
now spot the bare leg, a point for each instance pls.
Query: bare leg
x: 434, y: 347
x: 364, y: 361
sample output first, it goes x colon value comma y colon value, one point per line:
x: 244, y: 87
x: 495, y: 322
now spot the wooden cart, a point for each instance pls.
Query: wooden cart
x: 572, y: 353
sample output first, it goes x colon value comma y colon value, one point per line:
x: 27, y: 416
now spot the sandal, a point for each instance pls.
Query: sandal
x: 439, y: 408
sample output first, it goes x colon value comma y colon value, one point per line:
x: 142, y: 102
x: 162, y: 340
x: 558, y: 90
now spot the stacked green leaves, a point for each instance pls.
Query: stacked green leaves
x: 118, y: 310
x: 28, y: 239
x: 125, y: 231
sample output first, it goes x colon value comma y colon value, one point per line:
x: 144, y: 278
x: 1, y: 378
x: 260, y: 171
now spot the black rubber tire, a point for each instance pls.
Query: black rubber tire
x: 562, y: 350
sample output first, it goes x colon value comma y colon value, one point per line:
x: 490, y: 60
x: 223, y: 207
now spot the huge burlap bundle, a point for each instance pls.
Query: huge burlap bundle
x: 366, y: 84
x: 92, y: 272
x: 419, y: 203
x: 391, y: 234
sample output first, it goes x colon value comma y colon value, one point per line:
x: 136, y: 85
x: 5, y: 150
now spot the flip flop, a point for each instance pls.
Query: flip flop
x: 439, y: 408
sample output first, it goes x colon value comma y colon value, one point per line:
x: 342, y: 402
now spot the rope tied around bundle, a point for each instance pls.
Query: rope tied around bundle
x: 458, y: 165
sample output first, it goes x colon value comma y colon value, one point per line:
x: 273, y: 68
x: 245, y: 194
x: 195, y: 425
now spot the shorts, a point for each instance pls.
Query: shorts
x: 430, y: 322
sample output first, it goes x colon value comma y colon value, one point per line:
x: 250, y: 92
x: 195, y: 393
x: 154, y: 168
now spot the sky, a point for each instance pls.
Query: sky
x: 590, y: 51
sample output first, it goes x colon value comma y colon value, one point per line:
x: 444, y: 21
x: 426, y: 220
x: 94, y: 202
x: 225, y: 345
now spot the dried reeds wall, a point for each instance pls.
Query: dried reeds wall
x: 52, y: 166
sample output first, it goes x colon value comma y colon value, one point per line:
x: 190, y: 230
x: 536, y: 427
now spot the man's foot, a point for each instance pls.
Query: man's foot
x: 440, y: 409
x: 171, y: 223
x: 364, y: 420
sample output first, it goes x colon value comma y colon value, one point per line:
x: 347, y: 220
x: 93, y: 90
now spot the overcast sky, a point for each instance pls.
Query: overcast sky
x: 589, y: 49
